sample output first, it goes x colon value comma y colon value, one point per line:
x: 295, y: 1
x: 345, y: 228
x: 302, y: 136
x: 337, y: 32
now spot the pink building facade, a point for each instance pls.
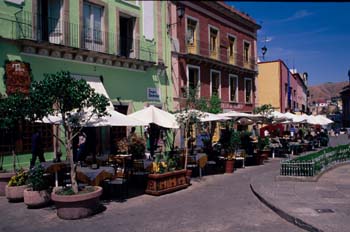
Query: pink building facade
x: 214, y: 50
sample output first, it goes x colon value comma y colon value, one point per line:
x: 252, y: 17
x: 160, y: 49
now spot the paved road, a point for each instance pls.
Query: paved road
x: 302, y: 200
x: 214, y: 203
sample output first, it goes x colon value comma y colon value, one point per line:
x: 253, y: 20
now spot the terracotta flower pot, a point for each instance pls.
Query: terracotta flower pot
x: 229, y: 166
x: 77, y: 206
x: 4, y: 179
x: 36, y: 199
x: 15, y: 193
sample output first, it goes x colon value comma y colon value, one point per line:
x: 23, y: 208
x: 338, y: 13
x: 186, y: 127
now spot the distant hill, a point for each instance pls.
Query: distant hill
x: 326, y: 91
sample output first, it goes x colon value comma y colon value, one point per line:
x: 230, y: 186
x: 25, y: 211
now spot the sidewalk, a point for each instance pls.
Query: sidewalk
x: 315, y: 206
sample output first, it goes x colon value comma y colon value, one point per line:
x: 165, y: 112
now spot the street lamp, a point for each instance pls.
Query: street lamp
x: 305, y: 75
x: 180, y: 12
x: 349, y: 75
x: 264, y: 50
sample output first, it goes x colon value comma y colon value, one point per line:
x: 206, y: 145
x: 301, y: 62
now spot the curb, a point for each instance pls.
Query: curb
x: 294, y: 220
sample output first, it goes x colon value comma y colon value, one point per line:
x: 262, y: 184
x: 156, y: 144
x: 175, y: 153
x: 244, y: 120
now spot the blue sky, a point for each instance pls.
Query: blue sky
x: 311, y: 37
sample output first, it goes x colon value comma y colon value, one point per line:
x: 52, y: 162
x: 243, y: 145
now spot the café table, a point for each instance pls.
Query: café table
x: 55, y: 167
x: 94, y: 176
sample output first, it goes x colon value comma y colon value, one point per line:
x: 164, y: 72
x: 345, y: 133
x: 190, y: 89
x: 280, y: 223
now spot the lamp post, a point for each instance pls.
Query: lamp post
x: 305, y: 76
x: 349, y: 75
x: 180, y: 12
x: 263, y: 50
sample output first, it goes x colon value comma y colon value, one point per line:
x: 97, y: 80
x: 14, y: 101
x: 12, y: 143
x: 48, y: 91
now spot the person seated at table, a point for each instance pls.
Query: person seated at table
x: 292, y: 131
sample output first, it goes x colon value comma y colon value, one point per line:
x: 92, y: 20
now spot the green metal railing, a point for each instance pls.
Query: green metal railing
x: 314, y: 163
x: 29, y: 26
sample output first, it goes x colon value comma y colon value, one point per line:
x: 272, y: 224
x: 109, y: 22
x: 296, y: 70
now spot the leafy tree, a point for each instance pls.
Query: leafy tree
x: 189, y: 117
x: 74, y: 101
x: 265, y: 109
x: 14, y: 109
x: 215, y: 104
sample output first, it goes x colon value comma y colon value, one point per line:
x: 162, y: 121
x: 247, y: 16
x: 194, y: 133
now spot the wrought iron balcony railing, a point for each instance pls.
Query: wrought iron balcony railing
x: 57, y: 31
x: 202, y: 48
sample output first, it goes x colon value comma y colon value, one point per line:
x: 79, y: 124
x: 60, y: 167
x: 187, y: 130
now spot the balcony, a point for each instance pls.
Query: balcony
x: 202, y: 49
x: 65, y: 34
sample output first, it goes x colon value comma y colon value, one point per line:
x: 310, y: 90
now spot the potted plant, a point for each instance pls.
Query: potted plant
x: 76, y: 103
x: 231, y: 147
x: 137, y: 147
x: 263, y: 149
x: 165, y: 177
x: 15, y: 188
x: 37, y: 194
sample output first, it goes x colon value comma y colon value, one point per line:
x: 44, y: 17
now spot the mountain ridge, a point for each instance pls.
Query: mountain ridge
x: 326, y: 91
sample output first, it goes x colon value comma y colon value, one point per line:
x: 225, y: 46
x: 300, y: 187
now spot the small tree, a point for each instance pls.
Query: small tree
x: 74, y: 100
x: 14, y: 109
x: 265, y: 110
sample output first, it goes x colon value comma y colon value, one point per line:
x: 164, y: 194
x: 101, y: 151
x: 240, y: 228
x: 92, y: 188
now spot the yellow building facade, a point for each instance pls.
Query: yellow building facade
x: 269, y: 86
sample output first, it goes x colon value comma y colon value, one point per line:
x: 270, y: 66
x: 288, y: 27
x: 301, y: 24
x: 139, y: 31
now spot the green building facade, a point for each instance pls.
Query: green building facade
x: 123, y: 44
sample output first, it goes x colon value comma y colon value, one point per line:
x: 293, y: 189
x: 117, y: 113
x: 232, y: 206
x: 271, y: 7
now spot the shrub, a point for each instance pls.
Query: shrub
x: 36, y: 178
x: 19, y: 179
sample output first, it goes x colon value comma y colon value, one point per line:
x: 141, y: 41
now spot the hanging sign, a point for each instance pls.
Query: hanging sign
x: 17, y: 77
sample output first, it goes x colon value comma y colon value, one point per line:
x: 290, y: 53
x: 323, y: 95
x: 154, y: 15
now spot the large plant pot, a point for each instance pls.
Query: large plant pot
x: 264, y: 155
x: 77, y: 206
x: 188, y: 176
x: 229, y: 166
x: 36, y: 199
x: 4, y: 179
x: 159, y: 184
x: 15, y: 193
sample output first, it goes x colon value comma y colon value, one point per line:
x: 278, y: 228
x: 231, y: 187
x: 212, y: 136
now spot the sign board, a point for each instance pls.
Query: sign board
x: 153, y: 94
x: 16, y: 2
x: 17, y: 77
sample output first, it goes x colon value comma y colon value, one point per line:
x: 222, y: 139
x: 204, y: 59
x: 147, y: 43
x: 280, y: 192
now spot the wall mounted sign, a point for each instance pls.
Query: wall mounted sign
x: 153, y: 94
x: 16, y: 2
x: 17, y: 77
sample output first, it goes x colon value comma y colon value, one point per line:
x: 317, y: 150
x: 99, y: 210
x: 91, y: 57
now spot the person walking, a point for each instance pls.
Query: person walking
x: 37, y: 149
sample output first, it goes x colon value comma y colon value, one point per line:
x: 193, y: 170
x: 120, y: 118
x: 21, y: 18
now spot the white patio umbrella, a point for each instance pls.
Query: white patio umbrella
x: 318, y: 120
x: 236, y: 114
x: 157, y: 116
x: 324, y: 120
x: 207, y: 117
x: 113, y: 119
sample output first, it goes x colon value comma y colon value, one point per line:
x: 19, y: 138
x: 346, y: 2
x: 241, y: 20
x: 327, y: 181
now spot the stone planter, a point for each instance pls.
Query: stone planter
x: 159, y: 184
x: 36, y: 199
x: 15, y: 193
x: 4, y: 179
x: 229, y: 166
x: 188, y: 176
x: 77, y: 206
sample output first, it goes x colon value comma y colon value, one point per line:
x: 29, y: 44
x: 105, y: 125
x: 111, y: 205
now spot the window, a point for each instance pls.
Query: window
x: 191, y: 31
x: 215, y: 82
x: 213, y: 41
x: 248, y: 85
x: 93, y: 22
x: 246, y: 48
x: 232, y: 45
x: 233, y: 88
x: 148, y: 29
x: 193, y: 78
